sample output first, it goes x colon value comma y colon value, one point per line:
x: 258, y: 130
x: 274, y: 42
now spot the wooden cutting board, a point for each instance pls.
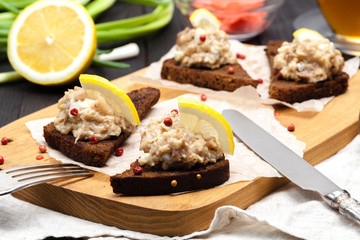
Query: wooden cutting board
x: 324, y: 133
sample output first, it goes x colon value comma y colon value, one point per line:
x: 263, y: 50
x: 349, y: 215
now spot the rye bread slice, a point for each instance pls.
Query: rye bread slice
x: 291, y: 91
x: 217, y: 79
x: 159, y: 182
x: 97, y: 154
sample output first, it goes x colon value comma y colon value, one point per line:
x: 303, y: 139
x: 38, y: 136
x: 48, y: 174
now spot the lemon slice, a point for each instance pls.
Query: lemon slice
x: 51, y: 42
x: 200, y: 118
x: 307, y: 34
x: 202, y: 18
x: 120, y: 101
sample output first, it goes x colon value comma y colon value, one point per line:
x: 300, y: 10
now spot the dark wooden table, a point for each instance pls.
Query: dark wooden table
x: 21, y: 98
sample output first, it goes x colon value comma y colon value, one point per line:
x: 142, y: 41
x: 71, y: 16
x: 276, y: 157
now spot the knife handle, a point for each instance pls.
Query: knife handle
x: 342, y: 201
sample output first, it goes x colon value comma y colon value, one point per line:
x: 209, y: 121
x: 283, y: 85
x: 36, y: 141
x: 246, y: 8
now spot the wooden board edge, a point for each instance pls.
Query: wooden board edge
x: 123, y: 216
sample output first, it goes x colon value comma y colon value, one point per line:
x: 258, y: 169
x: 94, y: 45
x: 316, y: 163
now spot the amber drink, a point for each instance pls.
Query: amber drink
x: 344, y: 18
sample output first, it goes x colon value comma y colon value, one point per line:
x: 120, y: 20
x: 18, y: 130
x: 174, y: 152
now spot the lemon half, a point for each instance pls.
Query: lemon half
x: 200, y: 118
x: 119, y: 100
x: 51, y: 41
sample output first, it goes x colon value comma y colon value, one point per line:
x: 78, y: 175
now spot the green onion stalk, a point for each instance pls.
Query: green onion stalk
x: 123, y: 29
x: 149, y: 23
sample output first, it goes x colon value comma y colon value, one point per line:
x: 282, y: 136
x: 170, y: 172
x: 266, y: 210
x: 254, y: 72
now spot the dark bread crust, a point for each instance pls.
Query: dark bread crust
x: 82, y: 151
x: 217, y: 79
x: 144, y: 99
x: 158, y: 182
x: 291, y: 91
x: 97, y: 154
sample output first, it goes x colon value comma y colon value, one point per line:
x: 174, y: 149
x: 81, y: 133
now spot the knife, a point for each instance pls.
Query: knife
x: 291, y: 165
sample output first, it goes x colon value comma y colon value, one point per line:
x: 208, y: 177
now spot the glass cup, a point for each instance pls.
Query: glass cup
x: 344, y: 19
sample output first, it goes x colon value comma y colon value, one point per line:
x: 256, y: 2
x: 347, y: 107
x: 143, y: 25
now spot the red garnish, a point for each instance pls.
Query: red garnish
x: 39, y: 157
x: 240, y: 56
x: 276, y: 114
x: 42, y: 148
x: 4, y: 141
x: 291, y: 128
x: 278, y: 75
x: 175, y: 110
x: 168, y: 121
x: 119, y: 151
x: 202, y: 38
x: 230, y: 70
x: 132, y: 164
x: 74, y: 111
x: 1, y: 160
x: 138, y: 170
x: 203, y: 97
x: 260, y: 81
x: 94, y: 140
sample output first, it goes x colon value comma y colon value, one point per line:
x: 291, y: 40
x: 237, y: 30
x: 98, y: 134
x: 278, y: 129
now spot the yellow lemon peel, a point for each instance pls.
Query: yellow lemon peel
x: 201, y: 118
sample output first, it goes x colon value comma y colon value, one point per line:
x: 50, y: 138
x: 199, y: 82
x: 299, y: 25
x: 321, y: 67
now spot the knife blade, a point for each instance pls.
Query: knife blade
x: 289, y: 164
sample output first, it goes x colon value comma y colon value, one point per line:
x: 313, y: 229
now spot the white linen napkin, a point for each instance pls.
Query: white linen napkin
x: 289, y: 213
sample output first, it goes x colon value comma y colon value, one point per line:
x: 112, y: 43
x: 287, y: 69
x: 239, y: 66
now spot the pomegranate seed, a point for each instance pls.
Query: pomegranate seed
x: 276, y: 114
x: 1, y: 160
x: 132, y: 164
x: 175, y: 111
x: 42, y: 148
x: 240, y: 56
x: 94, y: 140
x: 202, y: 38
x: 168, y: 121
x: 203, y: 97
x: 119, y: 151
x: 4, y: 141
x: 39, y: 157
x: 278, y: 75
x: 291, y: 128
x: 74, y: 111
x: 260, y: 81
x: 138, y: 170
x: 230, y: 70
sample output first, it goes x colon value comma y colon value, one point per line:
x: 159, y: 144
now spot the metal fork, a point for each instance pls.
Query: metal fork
x: 16, y: 178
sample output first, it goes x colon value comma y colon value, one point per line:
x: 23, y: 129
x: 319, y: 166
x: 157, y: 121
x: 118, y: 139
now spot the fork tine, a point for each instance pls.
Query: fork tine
x: 30, y: 171
x: 40, y: 174
x: 33, y: 181
x: 22, y: 168
x: 17, y: 178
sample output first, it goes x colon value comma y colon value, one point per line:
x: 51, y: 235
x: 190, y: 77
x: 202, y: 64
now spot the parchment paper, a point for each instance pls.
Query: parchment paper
x: 244, y: 164
x: 255, y: 64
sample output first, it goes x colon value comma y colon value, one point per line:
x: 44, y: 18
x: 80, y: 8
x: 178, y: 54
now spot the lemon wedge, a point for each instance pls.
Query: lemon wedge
x: 51, y: 42
x: 307, y: 34
x: 202, y: 18
x: 200, y: 118
x: 119, y: 100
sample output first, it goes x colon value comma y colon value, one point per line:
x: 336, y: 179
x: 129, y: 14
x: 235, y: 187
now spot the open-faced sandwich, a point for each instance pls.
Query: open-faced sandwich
x: 203, y: 58
x: 183, y: 151
x: 309, y: 67
x: 96, y: 118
